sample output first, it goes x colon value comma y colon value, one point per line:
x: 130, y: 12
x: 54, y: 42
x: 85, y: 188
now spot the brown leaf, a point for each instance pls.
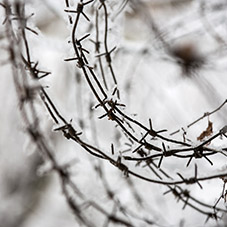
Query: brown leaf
x: 207, y: 132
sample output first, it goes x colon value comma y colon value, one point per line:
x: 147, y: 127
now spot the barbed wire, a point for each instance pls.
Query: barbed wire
x: 152, y: 148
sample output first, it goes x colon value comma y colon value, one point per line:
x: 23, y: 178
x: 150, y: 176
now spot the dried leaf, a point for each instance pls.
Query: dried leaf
x: 207, y: 132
